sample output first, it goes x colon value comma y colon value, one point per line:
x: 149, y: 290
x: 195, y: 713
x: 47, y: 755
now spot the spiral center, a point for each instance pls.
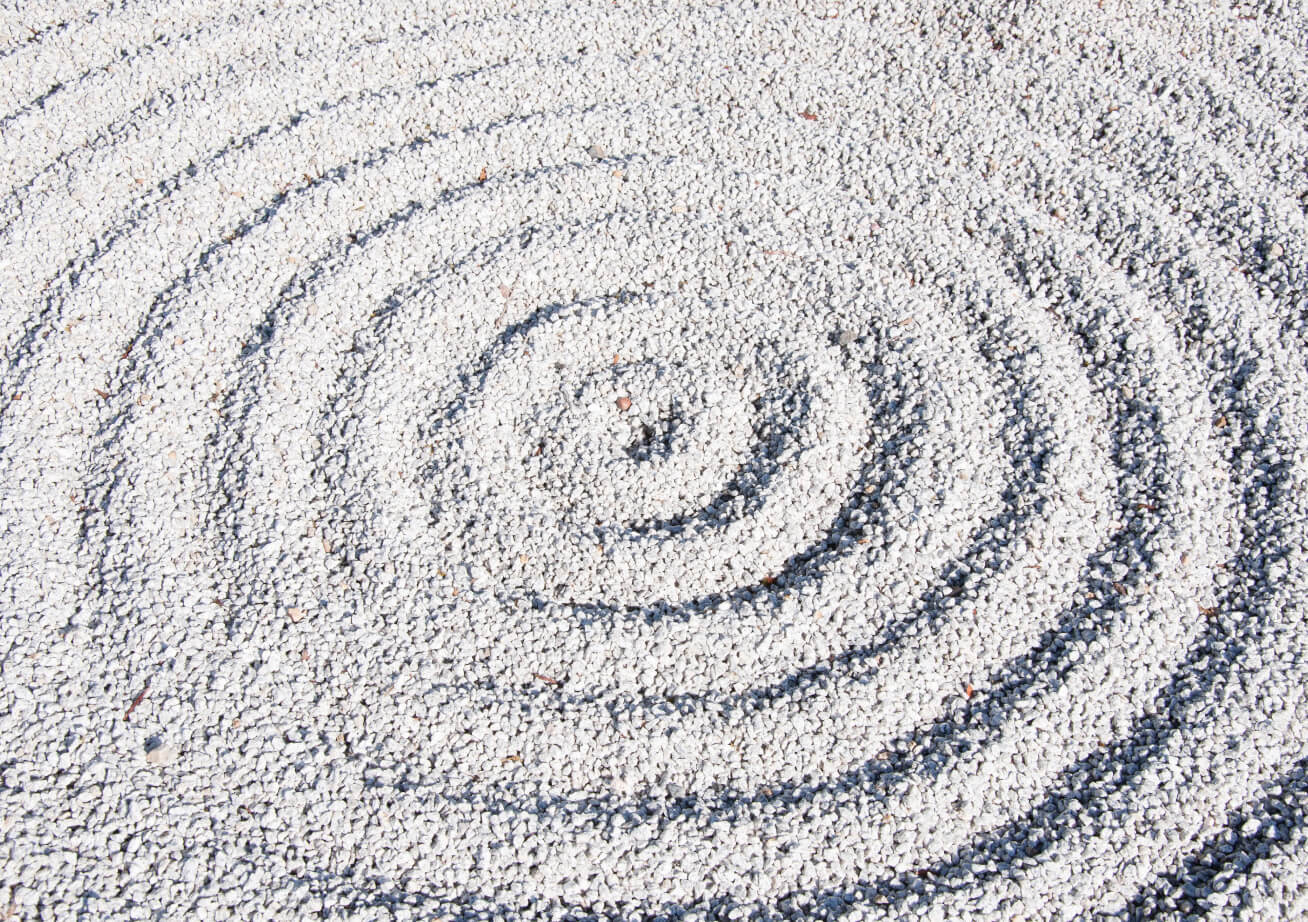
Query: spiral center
x: 632, y: 440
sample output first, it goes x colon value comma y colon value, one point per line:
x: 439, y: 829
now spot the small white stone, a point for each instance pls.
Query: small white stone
x: 162, y: 755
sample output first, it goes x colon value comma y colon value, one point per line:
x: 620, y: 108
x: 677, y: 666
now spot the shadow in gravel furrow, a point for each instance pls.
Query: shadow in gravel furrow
x: 744, y: 492
x: 1025, y: 839
x: 927, y: 752
x: 759, y: 471
x: 1097, y: 778
x: 141, y: 112
x: 1231, y: 853
x: 66, y: 281
x: 1021, y: 674
x: 37, y: 103
x: 1254, y: 261
x: 806, y: 562
x: 150, y: 328
x: 123, y: 58
x: 1087, y: 783
x: 601, y: 809
x: 1021, y: 841
x: 35, y: 35
x: 983, y: 557
x: 1017, y: 842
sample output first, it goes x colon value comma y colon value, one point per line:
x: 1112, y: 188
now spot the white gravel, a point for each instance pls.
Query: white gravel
x: 634, y: 461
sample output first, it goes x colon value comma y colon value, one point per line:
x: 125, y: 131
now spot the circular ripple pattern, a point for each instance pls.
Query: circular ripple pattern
x: 654, y: 462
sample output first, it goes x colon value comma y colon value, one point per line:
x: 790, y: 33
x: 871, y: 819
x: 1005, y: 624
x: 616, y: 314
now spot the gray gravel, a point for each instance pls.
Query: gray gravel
x: 635, y: 461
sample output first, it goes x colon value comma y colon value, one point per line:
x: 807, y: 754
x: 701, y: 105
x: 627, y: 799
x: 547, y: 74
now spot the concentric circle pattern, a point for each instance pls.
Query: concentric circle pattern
x: 636, y: 461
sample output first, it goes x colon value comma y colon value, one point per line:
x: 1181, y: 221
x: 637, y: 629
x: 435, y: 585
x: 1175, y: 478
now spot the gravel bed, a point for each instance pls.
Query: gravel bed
x: 625, y: 460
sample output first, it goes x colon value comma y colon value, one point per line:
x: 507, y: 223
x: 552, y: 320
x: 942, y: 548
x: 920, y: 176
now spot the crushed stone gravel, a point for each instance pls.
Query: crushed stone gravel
x: 636, y: 460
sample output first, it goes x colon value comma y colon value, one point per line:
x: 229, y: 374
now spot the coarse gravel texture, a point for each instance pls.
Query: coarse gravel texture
x: 643, y: 461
